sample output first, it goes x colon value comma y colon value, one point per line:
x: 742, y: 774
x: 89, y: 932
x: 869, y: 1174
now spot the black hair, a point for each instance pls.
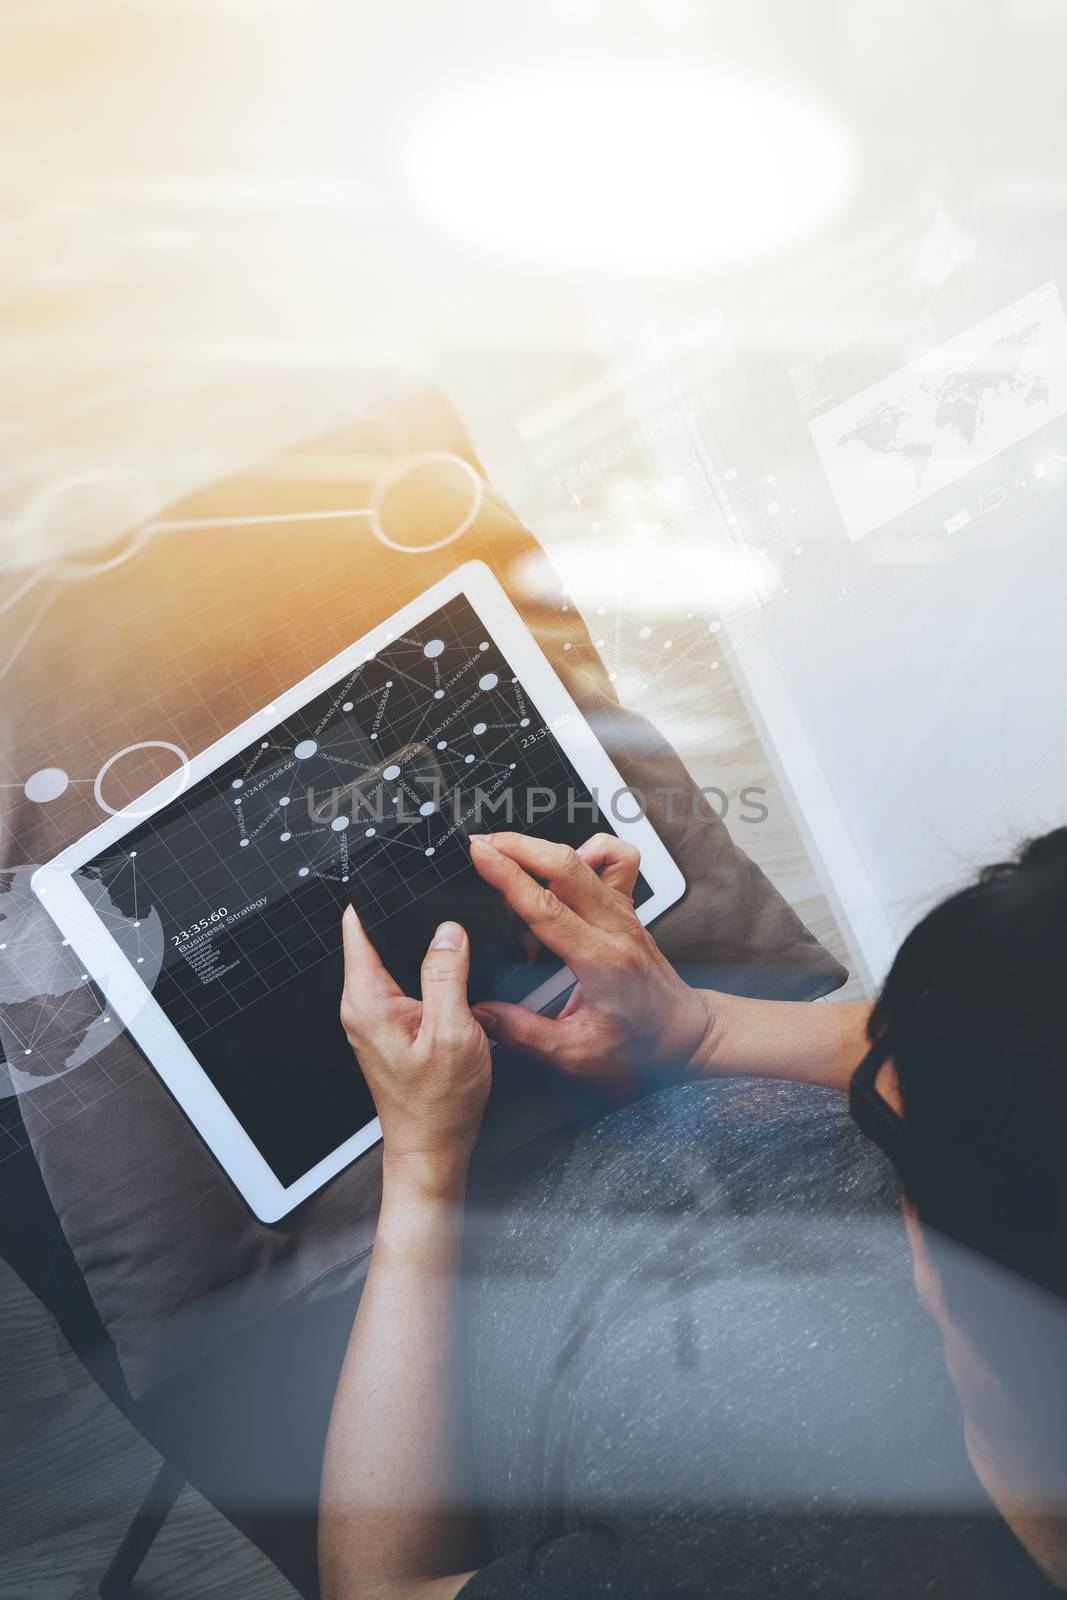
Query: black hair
x: 974, y: 1015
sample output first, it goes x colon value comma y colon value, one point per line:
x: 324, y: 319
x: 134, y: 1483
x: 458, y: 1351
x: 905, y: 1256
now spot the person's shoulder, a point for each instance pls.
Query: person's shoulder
x: 731, y: 1146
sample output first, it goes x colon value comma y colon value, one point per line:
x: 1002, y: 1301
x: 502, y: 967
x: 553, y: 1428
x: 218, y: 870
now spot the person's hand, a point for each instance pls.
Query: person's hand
x: 629, y: 1009
x: 426, y: 1062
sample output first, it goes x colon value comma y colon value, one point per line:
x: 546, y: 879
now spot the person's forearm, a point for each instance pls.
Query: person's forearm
x: 395, y: 1516
x: 782, y: 1039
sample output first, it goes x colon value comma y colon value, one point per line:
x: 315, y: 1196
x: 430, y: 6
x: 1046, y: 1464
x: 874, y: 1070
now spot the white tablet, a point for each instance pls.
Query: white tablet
x: 208, y: 912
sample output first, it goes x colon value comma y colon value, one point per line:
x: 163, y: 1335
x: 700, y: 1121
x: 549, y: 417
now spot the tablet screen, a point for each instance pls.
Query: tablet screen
x: 368, y: 794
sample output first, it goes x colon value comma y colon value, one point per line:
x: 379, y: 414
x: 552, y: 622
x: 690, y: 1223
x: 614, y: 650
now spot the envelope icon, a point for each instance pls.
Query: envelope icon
x: 958, y: 520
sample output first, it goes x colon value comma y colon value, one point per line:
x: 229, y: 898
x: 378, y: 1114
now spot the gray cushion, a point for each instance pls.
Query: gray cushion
x: 179, y: 643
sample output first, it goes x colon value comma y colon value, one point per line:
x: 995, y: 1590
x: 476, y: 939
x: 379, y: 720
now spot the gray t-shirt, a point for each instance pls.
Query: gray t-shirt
x: 697, y: 1366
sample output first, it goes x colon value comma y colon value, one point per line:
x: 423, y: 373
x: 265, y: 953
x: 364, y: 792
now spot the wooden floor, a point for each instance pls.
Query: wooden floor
x: 72, y: 1473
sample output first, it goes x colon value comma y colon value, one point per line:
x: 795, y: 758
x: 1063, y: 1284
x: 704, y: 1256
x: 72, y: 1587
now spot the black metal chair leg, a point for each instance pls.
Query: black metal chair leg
x: 151, y: 1515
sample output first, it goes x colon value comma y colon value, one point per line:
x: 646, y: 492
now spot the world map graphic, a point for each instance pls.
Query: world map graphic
x: 959, y: 403
x: 952, y: 409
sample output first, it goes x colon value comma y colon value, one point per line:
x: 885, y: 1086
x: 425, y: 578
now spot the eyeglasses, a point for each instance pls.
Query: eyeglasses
x: 873, y: 1114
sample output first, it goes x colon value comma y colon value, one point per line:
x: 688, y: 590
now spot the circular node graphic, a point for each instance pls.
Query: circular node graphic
x: 47, y: 784
x: 339, y: 824
x: 479, y: 727
x: 442, y: 744
x: 439, y: 694
x: 371, y: 832
x: 181, y: 772
x: 391, y: 772
x: 490, y: 681
x: 87, y: 508
x: 427, y: 808
x: 402, y: 476
x: 285, y: 837
x: 238, y: 783
x: 468, y: 760
x: 484, y: 645
x: 429, y: 850
x: 303, y: 872
x: 304, y: 749
x: 644, y: 633
x: 524, y: 722
x: 244, y: 842
x: 433, y: 647
x: 347, y: 706
x: 284, y: 801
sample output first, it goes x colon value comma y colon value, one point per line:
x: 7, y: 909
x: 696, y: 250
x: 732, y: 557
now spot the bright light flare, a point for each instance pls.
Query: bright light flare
x: 641, y: 576
x: 625, y: 167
